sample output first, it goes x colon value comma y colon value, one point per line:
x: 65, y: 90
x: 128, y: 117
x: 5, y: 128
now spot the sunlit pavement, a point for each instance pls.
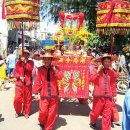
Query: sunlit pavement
x: 72, y: 115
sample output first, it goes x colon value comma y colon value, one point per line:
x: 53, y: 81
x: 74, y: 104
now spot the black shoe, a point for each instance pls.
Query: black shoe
x: 41, y: 127
x: 93, y: 125
x: 17, y: 115
x: 26, y: 116
x: 116, y: 123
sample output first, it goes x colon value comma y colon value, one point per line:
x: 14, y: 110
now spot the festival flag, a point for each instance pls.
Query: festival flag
x: 3, y: 10
x: 75, y: 80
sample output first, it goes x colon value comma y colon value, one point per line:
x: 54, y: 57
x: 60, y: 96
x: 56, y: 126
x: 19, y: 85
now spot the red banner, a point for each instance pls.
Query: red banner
x: 75, y: 81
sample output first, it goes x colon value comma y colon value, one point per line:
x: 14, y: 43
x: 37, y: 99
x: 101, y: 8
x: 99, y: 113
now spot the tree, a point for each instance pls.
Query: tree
x: 50, y: 9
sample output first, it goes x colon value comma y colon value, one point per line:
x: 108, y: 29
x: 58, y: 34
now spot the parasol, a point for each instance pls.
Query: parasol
x: 113, y: 17
x: 18, y: 12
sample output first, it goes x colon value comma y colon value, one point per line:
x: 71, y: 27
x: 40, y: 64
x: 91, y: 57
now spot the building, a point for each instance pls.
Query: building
x: 3, y: 33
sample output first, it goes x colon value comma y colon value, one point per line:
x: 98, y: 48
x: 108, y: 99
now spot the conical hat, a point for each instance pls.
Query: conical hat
x: 47, y: 55
x: 113, y: 58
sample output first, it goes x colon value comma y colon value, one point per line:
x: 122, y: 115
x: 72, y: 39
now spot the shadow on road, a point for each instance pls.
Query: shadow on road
x: 72, y: 107
x: 34, y: 107
x: 60, y: 122
x: 98, y: 124
x: 1, y: 118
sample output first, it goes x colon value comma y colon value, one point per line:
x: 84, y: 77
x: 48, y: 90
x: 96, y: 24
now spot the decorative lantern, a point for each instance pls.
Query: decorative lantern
x: 22, y: 10
x: 113, y: 17
x: 77, y: 17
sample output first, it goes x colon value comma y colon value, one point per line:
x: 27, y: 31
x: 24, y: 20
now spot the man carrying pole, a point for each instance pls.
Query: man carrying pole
x: 46, y: 85
x: 23, y: 89
x: 104, y: 92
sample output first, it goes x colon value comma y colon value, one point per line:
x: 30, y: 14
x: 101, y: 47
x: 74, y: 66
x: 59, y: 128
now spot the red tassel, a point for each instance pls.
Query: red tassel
x: 3, y: 10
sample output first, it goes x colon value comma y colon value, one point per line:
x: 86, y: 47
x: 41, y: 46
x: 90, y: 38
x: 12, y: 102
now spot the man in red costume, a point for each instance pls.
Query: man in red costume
x: 46, y: 85
x: 23, y: 89
x: 104, y: 92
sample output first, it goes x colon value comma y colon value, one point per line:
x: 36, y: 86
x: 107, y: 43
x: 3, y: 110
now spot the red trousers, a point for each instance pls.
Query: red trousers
x: 102, y: 106
x: 48, y: 109
x: 115, y: 114
x: 23, y: 100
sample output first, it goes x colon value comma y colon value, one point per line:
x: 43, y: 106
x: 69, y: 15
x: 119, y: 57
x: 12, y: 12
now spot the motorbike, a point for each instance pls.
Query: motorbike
x: 124, y: 79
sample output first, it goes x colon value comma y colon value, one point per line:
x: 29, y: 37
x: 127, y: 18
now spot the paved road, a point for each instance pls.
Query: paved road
x: 72, y: 115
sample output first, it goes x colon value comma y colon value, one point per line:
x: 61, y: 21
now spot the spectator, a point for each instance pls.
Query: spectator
x: 122, y: 60
x: 11, y: 61
x: 16, y: 52
x: 89, y: 53
x: 2, y: 73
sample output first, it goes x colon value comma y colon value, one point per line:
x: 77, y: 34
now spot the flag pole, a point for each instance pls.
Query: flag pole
x: 22, y: 39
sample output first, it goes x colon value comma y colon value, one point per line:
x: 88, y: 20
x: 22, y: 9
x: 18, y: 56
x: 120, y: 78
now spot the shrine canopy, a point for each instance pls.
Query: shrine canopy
x: 22, y: 10
x: 113, y: 16
x: 75, y: 16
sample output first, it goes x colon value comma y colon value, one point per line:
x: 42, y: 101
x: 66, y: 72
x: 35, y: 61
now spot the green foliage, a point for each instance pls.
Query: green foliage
x: 97, y: 41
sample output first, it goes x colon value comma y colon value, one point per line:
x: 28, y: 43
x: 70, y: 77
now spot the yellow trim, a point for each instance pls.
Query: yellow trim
x: 21, y: 2
x: 20, y: 8
x: 127, y: 25
x: 114, y: 11
x: 26, y: 16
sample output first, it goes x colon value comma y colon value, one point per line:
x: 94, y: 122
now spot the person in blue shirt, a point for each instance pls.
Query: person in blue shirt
x: 11, y: 61
x: 126, y: 112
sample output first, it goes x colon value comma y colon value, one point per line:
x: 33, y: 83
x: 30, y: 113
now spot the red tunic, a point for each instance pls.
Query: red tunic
x: 103, y: 83
x: 24, y: 70
x: 46, y: 82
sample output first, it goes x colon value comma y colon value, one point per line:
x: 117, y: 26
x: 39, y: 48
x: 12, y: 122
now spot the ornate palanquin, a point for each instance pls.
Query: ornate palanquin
x: 74, y: 19
x: 22, y: 10
x: 75, y: 81
x: 113, y: 16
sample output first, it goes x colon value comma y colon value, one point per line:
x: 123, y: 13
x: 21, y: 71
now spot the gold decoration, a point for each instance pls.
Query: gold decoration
x: 83, y: 79
x: 83, y: 60
x: 75, y: 60
x: 61, y: 60
x: 68, y: 60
